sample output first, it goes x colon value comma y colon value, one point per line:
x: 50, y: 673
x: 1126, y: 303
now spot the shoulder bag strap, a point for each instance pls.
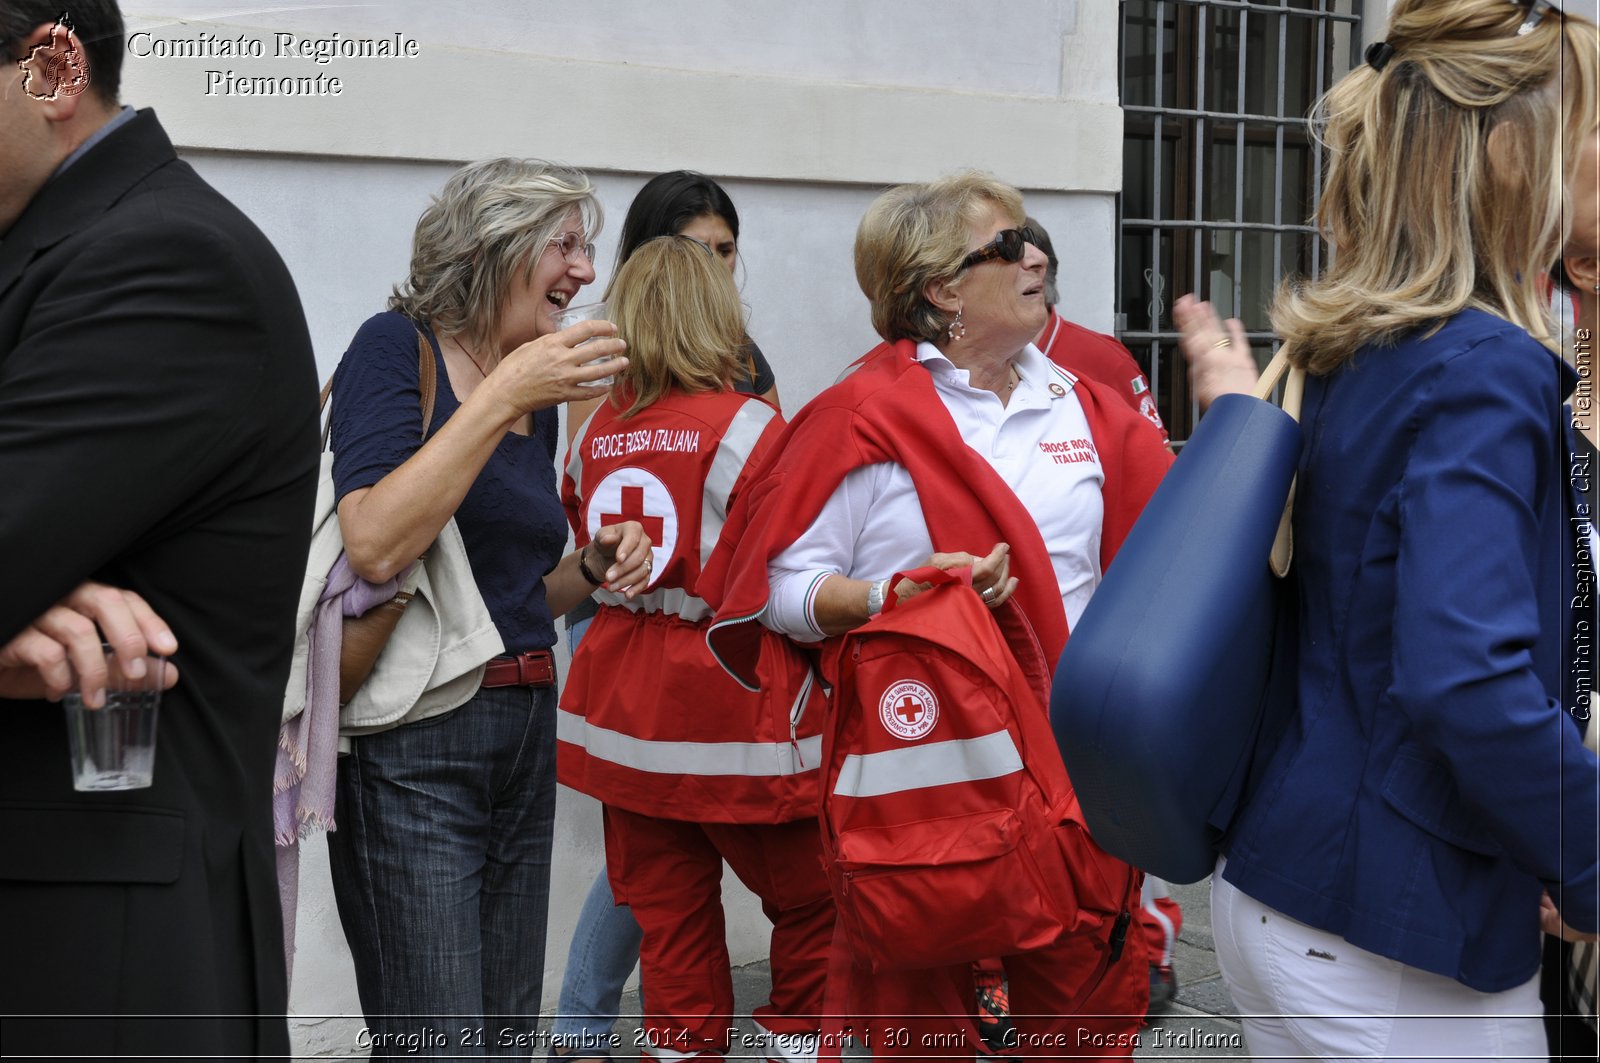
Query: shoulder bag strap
x: 428, y: 383
x: 322, y: 408
x: 427, y: 378
x: 1294, y: 390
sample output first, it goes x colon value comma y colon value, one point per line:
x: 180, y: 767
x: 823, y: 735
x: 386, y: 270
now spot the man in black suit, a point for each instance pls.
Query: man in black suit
x: 157, y: 434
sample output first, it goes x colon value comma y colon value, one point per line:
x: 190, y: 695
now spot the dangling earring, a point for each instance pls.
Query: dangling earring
x: 957, y: 330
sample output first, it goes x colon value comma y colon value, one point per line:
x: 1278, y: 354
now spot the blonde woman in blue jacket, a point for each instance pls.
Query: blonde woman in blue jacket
x: 1403, y: 822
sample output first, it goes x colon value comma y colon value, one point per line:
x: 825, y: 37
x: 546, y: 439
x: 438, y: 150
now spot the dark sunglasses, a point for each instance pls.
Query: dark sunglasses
x: 1008, y: 246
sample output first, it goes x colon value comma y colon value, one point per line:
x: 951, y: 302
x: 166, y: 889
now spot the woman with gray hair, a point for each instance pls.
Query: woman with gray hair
x: 955, y: 443
x: 441, y: 859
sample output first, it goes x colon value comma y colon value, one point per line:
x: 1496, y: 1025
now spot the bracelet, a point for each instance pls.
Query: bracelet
x: 583, y: 566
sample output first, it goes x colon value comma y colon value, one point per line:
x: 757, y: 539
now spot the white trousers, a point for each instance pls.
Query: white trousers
x: 1304, y: 993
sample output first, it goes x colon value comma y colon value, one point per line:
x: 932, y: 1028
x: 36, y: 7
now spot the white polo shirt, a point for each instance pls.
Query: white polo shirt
x: 873, y: 526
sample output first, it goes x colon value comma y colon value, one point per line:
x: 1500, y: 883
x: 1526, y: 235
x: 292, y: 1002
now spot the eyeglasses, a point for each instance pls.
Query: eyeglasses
x: 696, y: 240
x: 1537, y: 10
x: 569, y: 244
x: 1007, y: 245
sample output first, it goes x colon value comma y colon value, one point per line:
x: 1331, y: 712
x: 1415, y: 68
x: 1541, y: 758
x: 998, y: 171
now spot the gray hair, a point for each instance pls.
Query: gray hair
x: 491, y: 219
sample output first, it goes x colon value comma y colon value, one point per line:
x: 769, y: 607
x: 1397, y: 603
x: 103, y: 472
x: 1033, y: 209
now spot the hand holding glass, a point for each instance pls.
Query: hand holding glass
x: 114, y: 747
x: 587, y: 312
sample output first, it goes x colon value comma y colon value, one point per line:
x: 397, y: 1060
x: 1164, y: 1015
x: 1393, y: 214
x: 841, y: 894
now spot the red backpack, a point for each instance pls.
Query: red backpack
x: 950, y: 831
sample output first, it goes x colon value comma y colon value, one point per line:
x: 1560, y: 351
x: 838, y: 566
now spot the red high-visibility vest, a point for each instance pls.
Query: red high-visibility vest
x: 648, y: 720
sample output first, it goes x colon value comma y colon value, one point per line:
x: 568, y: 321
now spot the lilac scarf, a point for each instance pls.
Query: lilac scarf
x: 304, y: 779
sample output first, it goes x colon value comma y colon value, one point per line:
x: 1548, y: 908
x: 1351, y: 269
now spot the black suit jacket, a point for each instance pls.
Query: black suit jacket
x: 157, y: 432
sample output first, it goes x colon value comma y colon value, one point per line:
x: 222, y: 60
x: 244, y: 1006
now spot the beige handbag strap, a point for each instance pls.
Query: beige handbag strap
x: 1294, y: 390
x: 428, y: 381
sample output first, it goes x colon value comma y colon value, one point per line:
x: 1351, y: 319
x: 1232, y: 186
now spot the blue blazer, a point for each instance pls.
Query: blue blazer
x: 1432, y: 778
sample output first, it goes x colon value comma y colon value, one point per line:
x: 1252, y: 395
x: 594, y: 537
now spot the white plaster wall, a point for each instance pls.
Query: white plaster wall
x: 806, y: 112
x: 1009, y: 48
x: 759, y: 94
x: 344, y: 228
x: 1376, y: 18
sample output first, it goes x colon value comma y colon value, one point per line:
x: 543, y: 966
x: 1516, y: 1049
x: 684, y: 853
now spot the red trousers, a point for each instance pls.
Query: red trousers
x: 931, y: 1013
x: 670, y: 873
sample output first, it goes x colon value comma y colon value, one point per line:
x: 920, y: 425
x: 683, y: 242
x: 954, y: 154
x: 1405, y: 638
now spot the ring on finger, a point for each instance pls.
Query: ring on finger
x: 988, y: 594
x: 1226, y: 341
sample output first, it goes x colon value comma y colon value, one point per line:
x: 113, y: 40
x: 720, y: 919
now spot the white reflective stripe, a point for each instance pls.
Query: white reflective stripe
x: 1166, y: 929
x: 673, y: 600
x: 933, y: 764
x: 789, y: 1047
x: 738, y: 441
x: 575, y: 466
x: 846, y: 371
x: 753, y: 760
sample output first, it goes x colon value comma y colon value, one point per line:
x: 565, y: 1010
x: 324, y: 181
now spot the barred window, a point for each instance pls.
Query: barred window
x: 1220, y: 170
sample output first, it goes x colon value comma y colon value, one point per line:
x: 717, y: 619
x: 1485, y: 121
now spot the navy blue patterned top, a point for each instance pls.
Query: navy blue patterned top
x: 511, y: 519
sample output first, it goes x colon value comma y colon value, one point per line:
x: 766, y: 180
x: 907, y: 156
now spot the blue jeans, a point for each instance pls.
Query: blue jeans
x: 605, y: 948
x: 441, y: 870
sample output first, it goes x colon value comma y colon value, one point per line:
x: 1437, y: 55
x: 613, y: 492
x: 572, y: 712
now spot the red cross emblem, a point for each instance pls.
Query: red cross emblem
x: 631, y: 493
x: 909, y: 709
x: 633, y: 509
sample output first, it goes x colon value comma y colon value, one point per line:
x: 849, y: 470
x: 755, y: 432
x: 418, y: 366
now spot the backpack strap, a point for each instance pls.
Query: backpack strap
x: 933, y: 577
x: 1014, y: 625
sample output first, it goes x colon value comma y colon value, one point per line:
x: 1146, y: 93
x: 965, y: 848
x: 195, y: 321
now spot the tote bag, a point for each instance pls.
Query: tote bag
x: 1178, y: 656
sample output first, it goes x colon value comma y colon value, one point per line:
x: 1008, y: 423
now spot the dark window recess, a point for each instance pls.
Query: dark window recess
x: 1220, y: 168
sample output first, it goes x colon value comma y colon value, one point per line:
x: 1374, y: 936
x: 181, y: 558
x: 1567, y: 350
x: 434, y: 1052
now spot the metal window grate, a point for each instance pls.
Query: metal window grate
x: 1221, y: 171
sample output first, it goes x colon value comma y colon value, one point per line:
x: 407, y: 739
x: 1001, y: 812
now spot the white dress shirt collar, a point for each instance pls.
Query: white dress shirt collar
x: 1040, y: 377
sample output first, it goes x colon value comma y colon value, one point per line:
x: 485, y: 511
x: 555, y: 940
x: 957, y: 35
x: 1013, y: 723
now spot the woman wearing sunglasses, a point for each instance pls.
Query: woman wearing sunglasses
x: 955, y: 443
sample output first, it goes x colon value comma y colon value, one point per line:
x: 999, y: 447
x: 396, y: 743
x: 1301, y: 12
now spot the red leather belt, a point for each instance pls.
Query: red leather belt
x: 533, y: 669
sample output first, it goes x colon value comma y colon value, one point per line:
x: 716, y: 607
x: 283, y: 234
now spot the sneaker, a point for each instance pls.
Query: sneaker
x: 994, y: 1012
x: 1163, y: 987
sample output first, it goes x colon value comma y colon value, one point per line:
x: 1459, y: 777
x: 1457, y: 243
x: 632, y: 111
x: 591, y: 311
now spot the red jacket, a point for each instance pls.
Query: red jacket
x: 1103, y: 359
x: 648, y: 721
x: 888, y: 410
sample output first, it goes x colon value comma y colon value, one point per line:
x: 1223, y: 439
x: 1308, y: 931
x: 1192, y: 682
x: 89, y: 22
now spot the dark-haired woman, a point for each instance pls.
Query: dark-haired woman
x: 605, y: 943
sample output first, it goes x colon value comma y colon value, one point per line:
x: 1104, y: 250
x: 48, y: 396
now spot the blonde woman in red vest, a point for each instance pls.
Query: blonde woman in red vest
x: 955, y: 443
x: 692, y: 768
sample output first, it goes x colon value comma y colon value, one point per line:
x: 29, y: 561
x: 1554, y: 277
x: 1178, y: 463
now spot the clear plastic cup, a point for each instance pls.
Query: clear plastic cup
x: 586, y: 312
x: 114, y: 747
